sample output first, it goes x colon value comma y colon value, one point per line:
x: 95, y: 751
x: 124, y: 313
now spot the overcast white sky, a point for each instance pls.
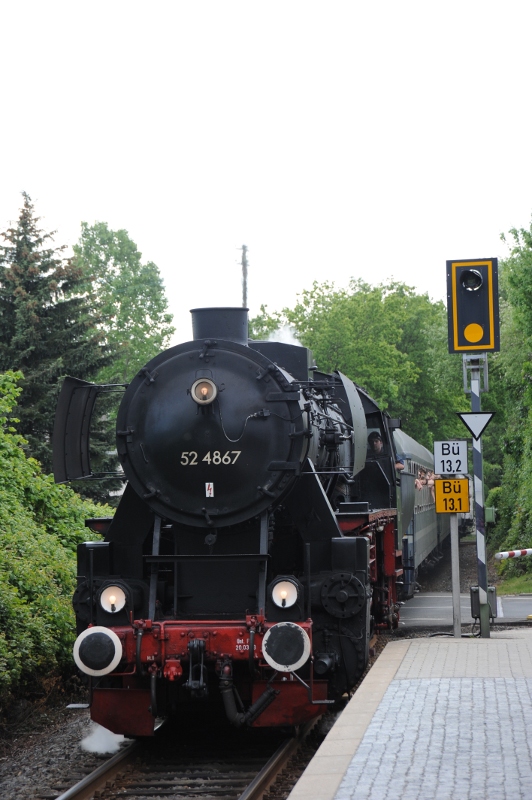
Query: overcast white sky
x: 335, y: 139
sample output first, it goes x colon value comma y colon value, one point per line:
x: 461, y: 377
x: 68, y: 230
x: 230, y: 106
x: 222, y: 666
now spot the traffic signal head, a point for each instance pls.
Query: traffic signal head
x: 473, y: 305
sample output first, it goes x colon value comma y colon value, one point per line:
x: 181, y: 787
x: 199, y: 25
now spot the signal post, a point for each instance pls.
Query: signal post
x: 473, y: 328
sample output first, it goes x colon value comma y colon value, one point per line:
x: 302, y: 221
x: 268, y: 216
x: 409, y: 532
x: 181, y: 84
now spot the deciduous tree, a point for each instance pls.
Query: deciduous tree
x: 129, y: 295
x: 509, y: 437
x: 388, y: 339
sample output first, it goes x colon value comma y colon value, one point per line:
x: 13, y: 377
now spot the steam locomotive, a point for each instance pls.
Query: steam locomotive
x: 257, y: 543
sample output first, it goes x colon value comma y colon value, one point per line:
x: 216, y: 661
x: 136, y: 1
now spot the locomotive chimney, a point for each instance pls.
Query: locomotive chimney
x: 220, y: 323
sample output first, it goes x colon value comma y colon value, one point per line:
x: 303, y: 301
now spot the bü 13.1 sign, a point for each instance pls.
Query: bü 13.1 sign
x: 452, y: 496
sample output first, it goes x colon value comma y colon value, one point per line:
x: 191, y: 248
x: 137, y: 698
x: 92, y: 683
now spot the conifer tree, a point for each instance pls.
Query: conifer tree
x: 47, y: 328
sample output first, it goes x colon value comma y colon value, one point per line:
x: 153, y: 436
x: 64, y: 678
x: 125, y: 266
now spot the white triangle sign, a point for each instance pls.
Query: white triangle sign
x: 476, y: 423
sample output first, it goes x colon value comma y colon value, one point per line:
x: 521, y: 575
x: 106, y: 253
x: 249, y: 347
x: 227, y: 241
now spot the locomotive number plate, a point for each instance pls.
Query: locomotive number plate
x: 189, y: 458
x: 452, y: 496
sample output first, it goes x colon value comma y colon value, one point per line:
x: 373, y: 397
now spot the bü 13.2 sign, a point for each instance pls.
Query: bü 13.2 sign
x: 450, y: 457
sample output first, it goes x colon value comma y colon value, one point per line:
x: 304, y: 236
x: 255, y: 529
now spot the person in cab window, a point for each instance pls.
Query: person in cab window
x: 376, y: 445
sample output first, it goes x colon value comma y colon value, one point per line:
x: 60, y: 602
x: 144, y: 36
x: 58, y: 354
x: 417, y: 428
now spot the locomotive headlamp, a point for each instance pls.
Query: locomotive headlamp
x: 112, y: 598
x: 284, y: 593
x: 204, y: 391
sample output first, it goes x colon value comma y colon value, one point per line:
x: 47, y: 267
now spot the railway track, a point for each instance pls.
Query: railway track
x: 98, y: 778
x: 51, y: 784
x: 232, y: 766
x: 167, y: 766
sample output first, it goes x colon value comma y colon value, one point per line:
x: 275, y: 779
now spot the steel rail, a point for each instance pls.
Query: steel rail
x: 268, y: 774
x: 86, y: 787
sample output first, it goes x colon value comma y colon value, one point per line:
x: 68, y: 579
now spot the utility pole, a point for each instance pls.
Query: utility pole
x: 244, y: 276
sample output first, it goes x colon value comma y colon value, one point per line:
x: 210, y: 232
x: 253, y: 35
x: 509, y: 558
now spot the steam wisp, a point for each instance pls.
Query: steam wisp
x: 100, y: 740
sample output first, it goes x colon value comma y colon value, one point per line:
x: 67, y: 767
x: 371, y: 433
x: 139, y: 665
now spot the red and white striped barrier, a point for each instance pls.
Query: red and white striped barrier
x: 513, y: 554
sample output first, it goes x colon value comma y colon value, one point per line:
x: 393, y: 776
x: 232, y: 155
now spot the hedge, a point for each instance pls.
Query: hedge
x: 41, y: 524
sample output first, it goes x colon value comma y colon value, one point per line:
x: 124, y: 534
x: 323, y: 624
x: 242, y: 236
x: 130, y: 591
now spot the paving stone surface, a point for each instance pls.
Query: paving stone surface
x: 435, y: 719
x: 446, y: 738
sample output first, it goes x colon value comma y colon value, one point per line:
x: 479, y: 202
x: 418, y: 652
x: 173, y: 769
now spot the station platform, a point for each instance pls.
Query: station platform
x: 435, y: 719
